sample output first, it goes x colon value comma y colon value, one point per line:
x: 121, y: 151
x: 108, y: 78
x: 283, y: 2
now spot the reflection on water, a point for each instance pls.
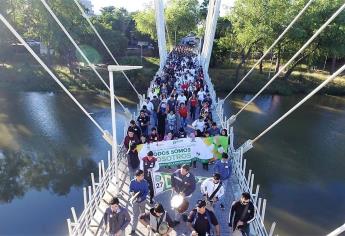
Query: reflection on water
x: 48, y: 148
x: 300, y: 163
x: 20, y: 172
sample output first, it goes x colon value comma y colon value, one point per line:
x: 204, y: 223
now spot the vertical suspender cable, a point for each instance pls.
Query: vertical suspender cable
x: 318, y: 88
x: 270, y: 48
x: 104, y: 44
x: 38, y: 59
x: 79, y: 50
x: 294, y: 57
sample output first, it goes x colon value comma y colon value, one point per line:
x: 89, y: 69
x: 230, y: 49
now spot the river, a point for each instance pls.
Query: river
x: 48, y: 149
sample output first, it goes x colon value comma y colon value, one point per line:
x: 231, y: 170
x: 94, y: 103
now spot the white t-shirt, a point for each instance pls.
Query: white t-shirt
x: 201, y: 95
x: 148, y: 105
x: 200, y: 125
x: 181, y: 98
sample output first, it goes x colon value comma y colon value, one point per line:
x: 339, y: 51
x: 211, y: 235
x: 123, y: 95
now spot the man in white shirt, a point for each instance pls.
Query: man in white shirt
x: 201, y: 96
x: 212, y: 189
x: 181, y: 98
x: 199, y: 124
x: 148, y: 104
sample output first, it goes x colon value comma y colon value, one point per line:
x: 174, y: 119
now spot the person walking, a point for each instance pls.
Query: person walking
x: 149, y: 164
x: 201, y: 221
x: 139, y: 189
x: 212, y: 189
x: 183, y: 111
x: 183, y: 183
x: 224, y: 168
x: 155, y: 218
x: 242, y: 214
x: 116, y: 218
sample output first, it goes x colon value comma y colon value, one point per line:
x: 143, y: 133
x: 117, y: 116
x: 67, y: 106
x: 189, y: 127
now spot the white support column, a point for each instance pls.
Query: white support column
x: 211, y: 33
x: 160, y: 26
x: 207, y: 30
x: 211, y: 24
x: 113, y: 125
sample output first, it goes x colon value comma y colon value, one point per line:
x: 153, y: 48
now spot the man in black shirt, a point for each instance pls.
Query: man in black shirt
x: 143, y: 122
x: 133, y: 127
x: 241, y: 214
x: 172, y: 103
x: 200, y: 220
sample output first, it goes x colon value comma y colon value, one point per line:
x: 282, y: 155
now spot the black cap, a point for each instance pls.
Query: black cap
x: 150, y: 153
x: 216, y: 176
x: 201, y: 203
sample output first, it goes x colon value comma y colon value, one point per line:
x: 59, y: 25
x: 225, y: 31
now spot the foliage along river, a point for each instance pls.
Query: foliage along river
x: 48, y: 149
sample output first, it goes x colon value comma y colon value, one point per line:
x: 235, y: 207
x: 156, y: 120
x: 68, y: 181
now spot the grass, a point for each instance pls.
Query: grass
x: 301, y: 81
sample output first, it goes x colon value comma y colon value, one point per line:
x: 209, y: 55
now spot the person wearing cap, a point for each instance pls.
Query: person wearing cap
x: 201, y: 221
x: 153, y: 219
x: 139, y: 189
x: 133, y: 127
x: 242, y: 214
x: 116, y: 218
x: 224, y: 168
x: 212, y: 189
x: 183, y: 182
x: 149, y: 164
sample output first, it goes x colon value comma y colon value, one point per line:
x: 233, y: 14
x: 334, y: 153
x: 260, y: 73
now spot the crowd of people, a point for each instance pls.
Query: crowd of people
x: 180, y: 107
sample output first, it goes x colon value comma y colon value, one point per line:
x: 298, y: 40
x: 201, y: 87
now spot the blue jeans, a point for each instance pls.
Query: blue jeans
x: 183, y: 121
x: 154, y: 118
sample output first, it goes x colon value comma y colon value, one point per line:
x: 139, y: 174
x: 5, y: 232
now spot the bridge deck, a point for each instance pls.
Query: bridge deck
x: 164, y: 198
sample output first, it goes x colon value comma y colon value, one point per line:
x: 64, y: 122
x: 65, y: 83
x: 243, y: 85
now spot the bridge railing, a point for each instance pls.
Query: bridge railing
x: 93, y: 196
x: 246, y: 184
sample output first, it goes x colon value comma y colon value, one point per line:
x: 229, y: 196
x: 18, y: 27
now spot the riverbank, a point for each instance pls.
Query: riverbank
x: 23, y: 76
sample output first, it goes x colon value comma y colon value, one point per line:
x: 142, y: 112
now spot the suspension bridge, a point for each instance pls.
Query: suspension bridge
x: 113, y: 175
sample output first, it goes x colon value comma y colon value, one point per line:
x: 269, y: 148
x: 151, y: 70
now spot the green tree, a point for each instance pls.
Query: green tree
x: 181, y: 18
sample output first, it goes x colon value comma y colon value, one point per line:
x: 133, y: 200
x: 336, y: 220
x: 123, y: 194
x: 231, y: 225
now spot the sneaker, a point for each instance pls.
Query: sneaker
x: 222, y: 207
x: 132, y: 232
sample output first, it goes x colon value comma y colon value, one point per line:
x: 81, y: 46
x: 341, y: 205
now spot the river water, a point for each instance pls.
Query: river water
x: 49, y: 148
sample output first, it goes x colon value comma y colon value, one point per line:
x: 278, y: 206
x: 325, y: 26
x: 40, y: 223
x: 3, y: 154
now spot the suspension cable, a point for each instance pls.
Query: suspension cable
x: 79, y: 50
x: 38, y: 59
x: 318, y: 88
x: 271, y: 47
x: 104, y: 44
x: 294, y: 57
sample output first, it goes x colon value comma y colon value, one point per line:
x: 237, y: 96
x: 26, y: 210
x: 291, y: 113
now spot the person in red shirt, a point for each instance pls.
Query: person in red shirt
x: 153, y: 137
x: 183, y: 114
x: 149, y: 164
x: 193, y: 102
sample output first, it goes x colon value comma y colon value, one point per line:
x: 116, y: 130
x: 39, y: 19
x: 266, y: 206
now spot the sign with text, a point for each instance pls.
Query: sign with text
x: 183, y: 151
